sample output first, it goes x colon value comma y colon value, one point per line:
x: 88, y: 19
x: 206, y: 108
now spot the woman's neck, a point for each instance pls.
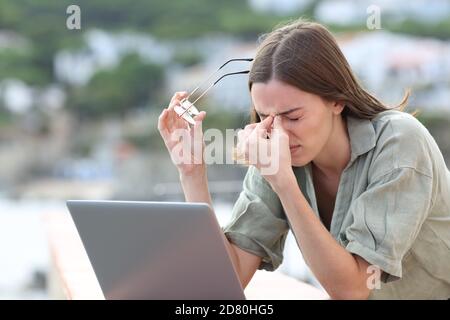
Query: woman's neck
x: 335, y: 155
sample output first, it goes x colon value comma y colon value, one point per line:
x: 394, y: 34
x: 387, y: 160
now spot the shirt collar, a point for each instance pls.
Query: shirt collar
x: 362, y: 136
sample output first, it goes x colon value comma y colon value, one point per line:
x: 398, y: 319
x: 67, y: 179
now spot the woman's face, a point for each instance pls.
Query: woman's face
x: 307, y: 118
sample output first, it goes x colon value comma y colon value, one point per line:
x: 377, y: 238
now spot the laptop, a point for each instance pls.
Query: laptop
x: 156, y: 250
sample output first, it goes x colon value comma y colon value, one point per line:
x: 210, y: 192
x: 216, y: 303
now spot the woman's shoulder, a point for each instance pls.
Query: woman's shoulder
x: 403, y: 141
x: 399, y: 123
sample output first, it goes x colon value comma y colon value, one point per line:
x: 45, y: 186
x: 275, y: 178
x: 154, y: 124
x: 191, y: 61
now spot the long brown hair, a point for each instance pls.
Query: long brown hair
x: 306, y: 55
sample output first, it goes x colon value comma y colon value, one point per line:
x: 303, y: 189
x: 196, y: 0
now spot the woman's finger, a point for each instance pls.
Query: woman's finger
x: 261, y: 130
x: 178, y: 96
x: 251, y: 125
x: 277, y: 127
x: 161, y: 119
x: 266, y: 123
x: 248, y: 129
x: 175, y: 102
x: 277, y: 122
x: 162, y: 125
x: 197, y: 129
x: 172, y: 120
x: 243, y: 142
x: 245, y: 133
x: 242, y: 138
x: 200, y: 117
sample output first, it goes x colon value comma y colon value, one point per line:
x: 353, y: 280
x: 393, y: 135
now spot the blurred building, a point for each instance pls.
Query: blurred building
x: 388, y: 64
x: 349, y: 12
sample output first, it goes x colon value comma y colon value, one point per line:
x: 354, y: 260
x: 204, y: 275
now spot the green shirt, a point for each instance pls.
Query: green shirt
x: 392, y: 208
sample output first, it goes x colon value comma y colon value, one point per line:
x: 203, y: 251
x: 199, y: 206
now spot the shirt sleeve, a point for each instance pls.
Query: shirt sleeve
x: 387, y: 218
x: 258, y: 224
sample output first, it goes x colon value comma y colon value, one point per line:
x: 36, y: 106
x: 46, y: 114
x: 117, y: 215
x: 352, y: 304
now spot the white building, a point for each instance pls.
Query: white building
x: 348, y: 12
x: 390, y: 63
x: 281, y: 7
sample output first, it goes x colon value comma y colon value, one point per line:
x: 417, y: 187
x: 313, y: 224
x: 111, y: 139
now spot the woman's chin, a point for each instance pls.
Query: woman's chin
x: 299, y: 160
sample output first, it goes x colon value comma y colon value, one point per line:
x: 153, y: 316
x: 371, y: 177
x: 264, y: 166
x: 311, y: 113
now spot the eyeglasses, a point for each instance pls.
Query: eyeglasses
x: 187, y: 109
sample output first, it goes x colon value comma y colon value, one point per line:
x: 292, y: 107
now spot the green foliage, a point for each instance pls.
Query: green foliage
x: 10, y: 14
x: 135, y: 83
x: 433, y: 121
x: 131, y: 84
x: 440, y: 29
x: 165, y: 19
x: 5, y: 118
x: 225, y: 119
x: 21, y: 65
x: 247, y: 24
x: 187, y: 58
x: 43, y: 23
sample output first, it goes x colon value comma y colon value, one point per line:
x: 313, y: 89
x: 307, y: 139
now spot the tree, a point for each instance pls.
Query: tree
x: 131, y: 84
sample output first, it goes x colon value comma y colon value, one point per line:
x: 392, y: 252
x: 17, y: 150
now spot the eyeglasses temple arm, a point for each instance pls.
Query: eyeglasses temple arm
x: 214, y: 73
x: 215, y: 82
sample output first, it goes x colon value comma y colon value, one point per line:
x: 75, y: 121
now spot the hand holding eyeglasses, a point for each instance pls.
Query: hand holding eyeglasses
x: 183, y: 115
x: 187, y: 109
x: 170, y: 122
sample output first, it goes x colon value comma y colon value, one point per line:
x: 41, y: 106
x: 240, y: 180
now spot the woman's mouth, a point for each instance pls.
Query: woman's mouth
x: 295, y: 147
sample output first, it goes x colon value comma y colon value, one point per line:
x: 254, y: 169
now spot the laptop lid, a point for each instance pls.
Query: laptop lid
x: 156, y: 250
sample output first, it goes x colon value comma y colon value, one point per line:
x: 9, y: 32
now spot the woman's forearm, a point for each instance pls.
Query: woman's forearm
x: 195, y: 187
x: 339, y: 272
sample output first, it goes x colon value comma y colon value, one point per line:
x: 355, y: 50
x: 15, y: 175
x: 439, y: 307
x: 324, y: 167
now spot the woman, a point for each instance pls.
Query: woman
x: 363, y: 187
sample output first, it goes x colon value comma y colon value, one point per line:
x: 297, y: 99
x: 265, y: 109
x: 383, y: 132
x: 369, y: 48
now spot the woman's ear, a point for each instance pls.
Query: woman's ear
x: 337, y: 107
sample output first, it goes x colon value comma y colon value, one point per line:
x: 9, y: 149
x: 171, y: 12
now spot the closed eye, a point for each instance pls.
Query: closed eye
x: 295, y: 116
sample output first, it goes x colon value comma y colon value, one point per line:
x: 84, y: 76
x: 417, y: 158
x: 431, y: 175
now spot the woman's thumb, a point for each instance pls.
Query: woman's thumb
x: 200, y: 117
x: 198, y: 122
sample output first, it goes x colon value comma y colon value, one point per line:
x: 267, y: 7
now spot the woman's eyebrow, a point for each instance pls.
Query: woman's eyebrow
x: 281, y: 113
